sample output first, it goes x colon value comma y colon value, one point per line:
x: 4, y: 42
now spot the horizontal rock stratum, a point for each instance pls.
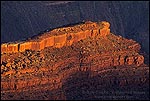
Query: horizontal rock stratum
x: 59, y: 37
x: 65, y: 62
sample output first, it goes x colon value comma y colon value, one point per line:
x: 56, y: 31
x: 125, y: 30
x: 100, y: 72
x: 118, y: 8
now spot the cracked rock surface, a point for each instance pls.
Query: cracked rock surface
x: 92, y: 65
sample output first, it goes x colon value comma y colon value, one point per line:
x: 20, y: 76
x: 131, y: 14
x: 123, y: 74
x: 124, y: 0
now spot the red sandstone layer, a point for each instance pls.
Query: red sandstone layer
x: 59, y: 37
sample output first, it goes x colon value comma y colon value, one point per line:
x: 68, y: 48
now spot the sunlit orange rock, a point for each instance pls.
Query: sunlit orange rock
x: 135, y: 47
x: 139, y: 60
x: 83, y: 35
x: 105, y: 24
x: 88, y: 33
x: 29, y: 70
x: 12, y: 48
x: 104, y: 32
x: 95, y: 32
x: 4, y: 48
x: 130, y: 60
x: 70, y: 39
x: 59, y: 41
x: 42, y: 44
x: 77, y: 37
x: 10, y: 72
x: 35, y: 46
x: 121, y: 60
x: 49, y: 41
x: 25, y: 45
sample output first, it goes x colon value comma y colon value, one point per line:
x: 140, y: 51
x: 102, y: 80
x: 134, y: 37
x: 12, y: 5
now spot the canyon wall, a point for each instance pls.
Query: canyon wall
x: 94, y: 52
x: 24, y: 19
x: 59, y: 37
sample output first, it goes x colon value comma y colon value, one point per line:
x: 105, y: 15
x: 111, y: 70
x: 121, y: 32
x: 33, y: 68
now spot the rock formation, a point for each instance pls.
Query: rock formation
x: 57, y: 61
x: 59, y: 37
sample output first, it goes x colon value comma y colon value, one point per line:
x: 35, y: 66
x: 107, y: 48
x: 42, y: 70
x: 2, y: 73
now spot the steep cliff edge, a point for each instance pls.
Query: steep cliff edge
x: 111, y: 60
x: 59, y: 37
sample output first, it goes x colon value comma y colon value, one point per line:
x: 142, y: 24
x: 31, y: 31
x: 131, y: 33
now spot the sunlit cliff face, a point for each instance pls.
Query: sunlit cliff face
x: 59, y: 37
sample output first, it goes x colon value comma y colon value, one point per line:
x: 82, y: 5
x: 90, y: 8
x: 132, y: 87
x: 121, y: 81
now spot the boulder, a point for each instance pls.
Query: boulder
x: 129, y: 60
x: 139, y: 60
x: 105, y: 24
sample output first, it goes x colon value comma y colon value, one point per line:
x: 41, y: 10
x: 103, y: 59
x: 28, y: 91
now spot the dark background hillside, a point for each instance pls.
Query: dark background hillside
x: 21, y: 20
